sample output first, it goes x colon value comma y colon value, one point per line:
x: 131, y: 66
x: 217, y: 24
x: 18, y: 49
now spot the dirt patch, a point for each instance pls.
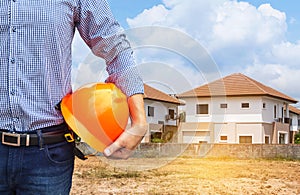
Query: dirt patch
x: 189, y: 176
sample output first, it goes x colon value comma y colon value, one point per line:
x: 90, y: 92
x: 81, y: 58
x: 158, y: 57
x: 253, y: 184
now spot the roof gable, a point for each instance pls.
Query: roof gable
x: 154, y: 94
x: 235, y: 85
x: 294, y: 110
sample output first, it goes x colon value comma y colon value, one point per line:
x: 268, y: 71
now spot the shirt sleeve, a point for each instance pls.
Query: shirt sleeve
x: 105, y: 37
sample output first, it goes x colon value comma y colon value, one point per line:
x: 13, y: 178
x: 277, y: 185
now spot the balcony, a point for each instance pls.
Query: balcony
x: 287, y: 120
x: 278, y: 126
x: 283, y: 120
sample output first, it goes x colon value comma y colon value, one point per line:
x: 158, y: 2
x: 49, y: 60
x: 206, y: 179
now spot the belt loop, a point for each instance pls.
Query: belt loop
x: 27, y: 140
x: 40, y: 139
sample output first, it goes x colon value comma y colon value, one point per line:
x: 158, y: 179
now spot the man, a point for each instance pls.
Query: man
x: 35, y: 74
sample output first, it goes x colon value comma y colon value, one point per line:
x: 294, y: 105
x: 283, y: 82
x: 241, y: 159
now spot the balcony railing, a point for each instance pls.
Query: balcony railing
x: 285, y: 120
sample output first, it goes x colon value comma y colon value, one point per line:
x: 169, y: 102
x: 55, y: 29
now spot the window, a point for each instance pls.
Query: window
x: 161, y: 122
x: 150, y: 111
x: 282, y: 138
x: 245, y: 139
x: 275, y: 111
x: 172, y: 113
x: 245, y: 105
x: 223, y: 138
x: 267, y: 140
x: 223, y: 105
x: 202, y: 109
x: 264, y: 105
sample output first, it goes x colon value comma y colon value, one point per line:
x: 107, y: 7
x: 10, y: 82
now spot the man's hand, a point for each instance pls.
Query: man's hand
x: 125, y: 145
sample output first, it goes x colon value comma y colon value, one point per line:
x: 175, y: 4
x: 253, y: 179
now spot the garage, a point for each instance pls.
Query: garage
x: 196, y: 137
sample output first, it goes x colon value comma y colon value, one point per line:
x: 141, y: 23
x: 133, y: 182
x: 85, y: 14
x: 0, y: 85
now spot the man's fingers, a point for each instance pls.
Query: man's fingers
x: 111, y: 149
x: 123, y: 147
x: 122, y: 153
x: 114, y: 151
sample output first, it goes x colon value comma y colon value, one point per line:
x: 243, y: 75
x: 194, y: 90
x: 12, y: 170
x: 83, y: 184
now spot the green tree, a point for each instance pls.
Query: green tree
x: 297, y: 138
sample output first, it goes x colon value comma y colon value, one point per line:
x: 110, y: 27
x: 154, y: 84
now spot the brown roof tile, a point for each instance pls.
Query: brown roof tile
x: 294, y: 109
x: 154, y: 94
x: 235, y: 85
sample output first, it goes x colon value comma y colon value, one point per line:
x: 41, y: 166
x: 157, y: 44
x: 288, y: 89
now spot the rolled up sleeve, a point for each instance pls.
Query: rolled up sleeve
x: 105, y: 37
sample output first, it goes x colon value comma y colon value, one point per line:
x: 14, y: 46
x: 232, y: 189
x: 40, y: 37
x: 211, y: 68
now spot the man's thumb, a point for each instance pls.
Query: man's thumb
x: 111, y: 149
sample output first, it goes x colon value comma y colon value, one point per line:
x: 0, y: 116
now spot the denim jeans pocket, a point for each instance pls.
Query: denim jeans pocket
x: 62, y: 152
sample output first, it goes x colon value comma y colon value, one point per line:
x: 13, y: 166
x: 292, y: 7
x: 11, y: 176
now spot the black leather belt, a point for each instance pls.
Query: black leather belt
x: 19, y: 139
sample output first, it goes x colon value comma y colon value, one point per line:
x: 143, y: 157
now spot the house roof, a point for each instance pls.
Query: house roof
x: 235, y: 85
x: 294, y: 110
x: 154, y: 94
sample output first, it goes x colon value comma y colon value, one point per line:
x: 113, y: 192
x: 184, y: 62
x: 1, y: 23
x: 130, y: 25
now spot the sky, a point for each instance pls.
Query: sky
x: 180, y: 45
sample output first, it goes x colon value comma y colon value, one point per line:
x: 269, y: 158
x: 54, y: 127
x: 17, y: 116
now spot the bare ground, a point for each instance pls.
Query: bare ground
x: 188, y: 176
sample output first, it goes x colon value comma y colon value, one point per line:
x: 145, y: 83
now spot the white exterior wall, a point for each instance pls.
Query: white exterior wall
x: 294, y: 125
x: 233, y: 113
x: 254, y: 130
x: 190, y: 137
x: 161, y: 109
x: 228, y: 130
x: 235, y: 121
x: 234, y: 130
x: 268, y: 112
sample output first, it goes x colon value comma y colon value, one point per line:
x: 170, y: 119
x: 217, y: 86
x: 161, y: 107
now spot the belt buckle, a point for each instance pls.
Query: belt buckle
x: 17, y: 138
x: 69, y: 137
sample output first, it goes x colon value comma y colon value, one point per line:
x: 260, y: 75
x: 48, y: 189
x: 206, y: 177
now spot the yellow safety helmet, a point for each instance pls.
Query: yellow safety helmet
x: 98, y: 113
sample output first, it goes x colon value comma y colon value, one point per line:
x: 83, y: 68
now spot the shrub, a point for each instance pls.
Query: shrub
x: 157, y: 140
x: 297, y: 138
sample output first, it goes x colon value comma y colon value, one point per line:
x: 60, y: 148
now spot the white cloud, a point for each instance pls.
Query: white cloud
x: 154, y: 16
x: 287, y: 54
x: 238, y: 35
x: 278, y: 76
x: 86, y: 67
x: 80, y: 50
x: 241, y: 24
x: 90, y: 71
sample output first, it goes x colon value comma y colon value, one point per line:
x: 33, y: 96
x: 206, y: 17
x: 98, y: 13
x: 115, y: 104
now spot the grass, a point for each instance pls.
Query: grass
x: 100, y: 172
x: 191, y: 175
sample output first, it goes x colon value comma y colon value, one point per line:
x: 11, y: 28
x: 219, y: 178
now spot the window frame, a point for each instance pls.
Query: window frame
x: 150, y: 111
x: 267, y: 138
x: 245, y: 103
x: 223, y: 140
x: 204, y: 111
x: 171, y: 113
x: 244, y: 138
x: 224, y: 106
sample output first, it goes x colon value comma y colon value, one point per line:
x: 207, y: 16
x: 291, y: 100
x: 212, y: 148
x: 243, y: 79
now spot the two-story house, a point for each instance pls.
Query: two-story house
x: 161, y: 112
x: 294, y: 122
x: 235, y: 109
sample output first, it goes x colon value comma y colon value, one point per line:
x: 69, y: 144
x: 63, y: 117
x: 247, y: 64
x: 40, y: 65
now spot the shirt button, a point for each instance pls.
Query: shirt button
x: 14, y: 29
x: 13, y: 92
x: 12, y: 60
x: 14, y: 0
x: 15, y: 119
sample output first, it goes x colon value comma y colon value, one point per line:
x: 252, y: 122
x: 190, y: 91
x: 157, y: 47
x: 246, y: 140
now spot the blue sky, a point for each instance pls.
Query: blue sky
x: 291, y: 8
x: 130, y: 8
x: 124, y: 9
x: 258, y: 38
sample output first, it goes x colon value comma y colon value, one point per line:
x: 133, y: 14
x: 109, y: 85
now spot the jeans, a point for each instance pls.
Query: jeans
x: 34, y: 170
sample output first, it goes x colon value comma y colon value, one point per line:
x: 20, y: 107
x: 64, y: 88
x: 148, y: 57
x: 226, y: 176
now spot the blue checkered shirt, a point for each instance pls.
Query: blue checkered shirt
x: 35, y: 56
